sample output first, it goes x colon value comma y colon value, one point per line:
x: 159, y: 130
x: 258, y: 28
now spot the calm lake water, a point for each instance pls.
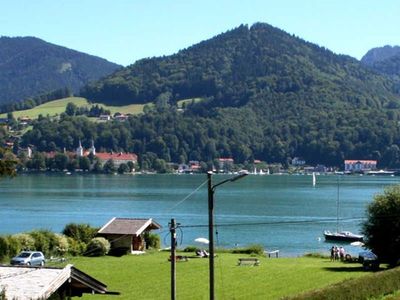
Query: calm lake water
x: 279, y: 212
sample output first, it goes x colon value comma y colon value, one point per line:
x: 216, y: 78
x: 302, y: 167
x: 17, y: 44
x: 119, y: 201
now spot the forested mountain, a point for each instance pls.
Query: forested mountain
x: 30, y: 67
x: 266, y: 95
x: 385, y: 60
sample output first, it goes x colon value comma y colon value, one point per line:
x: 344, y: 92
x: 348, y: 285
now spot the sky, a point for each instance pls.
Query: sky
x: 123, y: 31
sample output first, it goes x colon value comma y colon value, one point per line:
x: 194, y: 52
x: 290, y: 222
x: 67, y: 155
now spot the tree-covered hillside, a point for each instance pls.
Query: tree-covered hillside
x: 30, y: 67
x: 266, y: 95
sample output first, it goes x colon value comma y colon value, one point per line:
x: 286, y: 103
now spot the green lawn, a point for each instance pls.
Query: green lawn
x: 148, y: 276
x: 57, y: 107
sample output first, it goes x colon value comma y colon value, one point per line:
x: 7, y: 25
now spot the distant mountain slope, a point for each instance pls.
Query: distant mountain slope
x: 30, y: 66
x: 245, y: 65
x: 265, y: 95
x: 380, y: 54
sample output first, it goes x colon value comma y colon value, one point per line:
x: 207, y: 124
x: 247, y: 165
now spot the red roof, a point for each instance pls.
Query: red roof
x: 360, y: 161
x: 117, y: 156
x: 226, y: 159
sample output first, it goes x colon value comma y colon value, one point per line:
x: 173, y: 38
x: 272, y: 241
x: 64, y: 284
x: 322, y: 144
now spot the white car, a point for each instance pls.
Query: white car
x: 29, y: 258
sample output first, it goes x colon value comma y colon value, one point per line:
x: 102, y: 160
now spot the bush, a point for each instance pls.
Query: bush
x: 152, y: 240
x: 252, y: 249
x: 3, y: 247
x: 25, y: 241
x: 75, y: 247
x: 45, y: 241
x: 80, y: 232
x: 190, y: 249
x: 97, y: 247
x: 14, y: 247
x: 62, y: 245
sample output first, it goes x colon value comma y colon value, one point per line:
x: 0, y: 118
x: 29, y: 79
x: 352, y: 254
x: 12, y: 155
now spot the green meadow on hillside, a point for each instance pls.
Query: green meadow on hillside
x: 57, y: 107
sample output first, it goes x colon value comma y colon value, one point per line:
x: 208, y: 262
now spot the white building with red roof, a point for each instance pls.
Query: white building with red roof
x: 359, y: 165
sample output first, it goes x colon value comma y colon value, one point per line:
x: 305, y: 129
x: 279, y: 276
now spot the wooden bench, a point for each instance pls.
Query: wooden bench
x: 248, y: 261
x: 269, y: 253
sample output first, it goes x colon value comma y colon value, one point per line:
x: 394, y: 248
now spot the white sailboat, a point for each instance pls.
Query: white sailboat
x: 342, y: 236
x: 314, y: 179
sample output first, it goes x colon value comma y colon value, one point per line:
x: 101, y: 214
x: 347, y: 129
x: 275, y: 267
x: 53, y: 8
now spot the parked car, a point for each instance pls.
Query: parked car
x: 29, y: 258
x: 369, y: 260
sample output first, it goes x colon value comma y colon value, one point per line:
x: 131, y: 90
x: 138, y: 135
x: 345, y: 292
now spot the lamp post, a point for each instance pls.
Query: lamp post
x: 211, y: 190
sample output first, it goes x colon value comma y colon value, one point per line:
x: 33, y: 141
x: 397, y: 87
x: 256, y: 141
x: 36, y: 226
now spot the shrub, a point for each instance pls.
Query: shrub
x: 75, y: 247
x: 252, y: 249
x: 80, y: 232
x: 97, y: 247
x: 25, y: 241
x: 62, y: 245
x: 3, y: 247
x: 14, y: 247
x: 45, y: 241
x: 190, y: 249
x: 152, y: 240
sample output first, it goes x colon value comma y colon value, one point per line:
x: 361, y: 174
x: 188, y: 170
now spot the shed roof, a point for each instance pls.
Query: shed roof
x: 128, y: 226
x: 41, y: 283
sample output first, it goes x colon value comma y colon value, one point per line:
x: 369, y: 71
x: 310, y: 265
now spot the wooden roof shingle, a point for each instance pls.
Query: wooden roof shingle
x: 128, y: 226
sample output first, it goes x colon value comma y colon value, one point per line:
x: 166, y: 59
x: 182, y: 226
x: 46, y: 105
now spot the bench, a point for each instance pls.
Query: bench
x: 269, y: 253
x: 248, y: 261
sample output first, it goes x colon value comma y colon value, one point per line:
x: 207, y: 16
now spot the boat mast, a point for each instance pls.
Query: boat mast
x: 337, y: 204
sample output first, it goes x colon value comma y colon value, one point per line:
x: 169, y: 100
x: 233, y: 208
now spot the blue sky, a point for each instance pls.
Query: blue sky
x: 124, y: 31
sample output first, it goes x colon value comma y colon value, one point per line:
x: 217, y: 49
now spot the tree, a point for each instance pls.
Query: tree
x: 109, y: 167
x: 123, y: 168
x: 382, y: 227
x: 71, y: 109
x: 7, y: 164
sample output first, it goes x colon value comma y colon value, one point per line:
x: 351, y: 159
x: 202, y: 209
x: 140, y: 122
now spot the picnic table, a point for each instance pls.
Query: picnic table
x: 248, y: 261
x: 272, y: 253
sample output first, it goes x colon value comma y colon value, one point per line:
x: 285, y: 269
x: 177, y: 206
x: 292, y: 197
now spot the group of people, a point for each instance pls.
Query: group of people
x: 337, y: 253
x: 202, y: 253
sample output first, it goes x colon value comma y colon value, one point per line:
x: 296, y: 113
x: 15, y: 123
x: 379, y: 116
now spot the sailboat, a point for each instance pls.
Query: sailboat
x: 341, y: 236
x: 314, y: 179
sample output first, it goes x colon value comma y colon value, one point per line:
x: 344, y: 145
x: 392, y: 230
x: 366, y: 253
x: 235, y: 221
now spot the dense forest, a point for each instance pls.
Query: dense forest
x: 259, y: 93
x: 30, y: 67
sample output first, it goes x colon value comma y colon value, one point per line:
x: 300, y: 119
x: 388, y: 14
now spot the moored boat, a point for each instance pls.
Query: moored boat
x: 343, y: 236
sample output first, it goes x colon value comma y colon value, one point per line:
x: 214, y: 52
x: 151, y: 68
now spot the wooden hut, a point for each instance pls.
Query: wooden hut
x: 127, y: 233
x: 42, y: 283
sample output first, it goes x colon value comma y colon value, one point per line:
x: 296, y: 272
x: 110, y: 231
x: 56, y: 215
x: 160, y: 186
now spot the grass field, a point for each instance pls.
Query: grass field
x: 57, y: 107
x: 148, y: 276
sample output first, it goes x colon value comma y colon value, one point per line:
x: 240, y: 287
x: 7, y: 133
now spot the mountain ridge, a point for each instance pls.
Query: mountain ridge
x: 30, y: 66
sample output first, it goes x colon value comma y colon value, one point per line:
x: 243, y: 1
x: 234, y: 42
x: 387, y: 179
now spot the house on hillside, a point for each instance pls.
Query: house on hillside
x: 359, y: 165
x: 44, y: 283
x: 127, y: 233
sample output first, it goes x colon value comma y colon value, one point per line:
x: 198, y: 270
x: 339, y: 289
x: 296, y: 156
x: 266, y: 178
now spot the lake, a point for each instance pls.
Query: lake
x: 282, y: 212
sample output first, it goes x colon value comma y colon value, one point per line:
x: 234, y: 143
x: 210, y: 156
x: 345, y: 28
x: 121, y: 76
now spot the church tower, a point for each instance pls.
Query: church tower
x: 79, y: 150
x: 92, y: 148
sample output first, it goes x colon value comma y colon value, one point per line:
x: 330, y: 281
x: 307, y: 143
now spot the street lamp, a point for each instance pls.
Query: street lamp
x: 211, y: 190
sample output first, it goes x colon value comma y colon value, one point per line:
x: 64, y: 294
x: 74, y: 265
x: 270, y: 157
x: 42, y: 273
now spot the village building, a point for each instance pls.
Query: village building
x: 43, y: 283
x: 104, y: 117
x: 127, y: 233
x: 118, y: 158
x: 225, y: 164
x: 297, y: 161
x: 359, y: 165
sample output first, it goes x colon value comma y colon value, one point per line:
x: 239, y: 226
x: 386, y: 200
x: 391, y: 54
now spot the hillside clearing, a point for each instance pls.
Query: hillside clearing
x: 57, y: 107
